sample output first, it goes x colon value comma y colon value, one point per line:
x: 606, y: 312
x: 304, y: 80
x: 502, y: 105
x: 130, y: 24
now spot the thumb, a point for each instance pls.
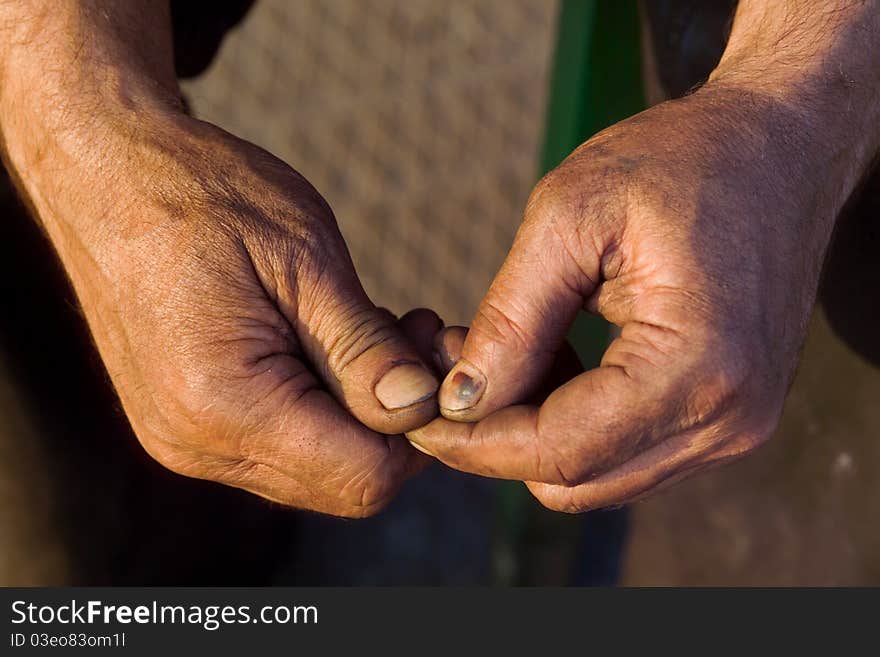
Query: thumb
x: 520, y: 325
x: 364, y: 357
x: 448, y: 343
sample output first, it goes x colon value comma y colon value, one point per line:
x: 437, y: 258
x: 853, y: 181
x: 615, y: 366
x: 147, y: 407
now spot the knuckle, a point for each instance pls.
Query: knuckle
x: 356, y: 334
x: 722, y: 384
x: 189, y: 436
x: 370, y: 490
x: 559, y: 500
x: 298, y: 253
x: 550, y: 459
x: 749, y: 436
x: 356, y: 512
x: 499, y: 322
x: 173, y: 457
x: 579, y: 188
x: 730, y: 387
x: 310, y: 237
x: 551, y: 197
x: 582, y: 207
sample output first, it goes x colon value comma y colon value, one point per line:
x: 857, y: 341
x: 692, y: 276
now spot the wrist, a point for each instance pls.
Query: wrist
x: 817, y: 65
x: 76, y: 150
x: 53, y: 103
x: 808, y: 134
x: 762, y: 159
x: 77, y: 78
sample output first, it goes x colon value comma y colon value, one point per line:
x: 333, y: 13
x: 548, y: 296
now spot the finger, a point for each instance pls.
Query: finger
x: 360, y: 353
x: 566, y: 365
x: 647, y: 473
x: 420, y: 326
x: 596, y: 421
x: 520, y: 324
x: 447, y: 347
x: 387, y: 313
x: 309, y: 452
x: 501, y: 445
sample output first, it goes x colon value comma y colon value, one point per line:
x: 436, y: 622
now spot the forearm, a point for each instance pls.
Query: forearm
x: 75, y: 76
x: 820, y: 61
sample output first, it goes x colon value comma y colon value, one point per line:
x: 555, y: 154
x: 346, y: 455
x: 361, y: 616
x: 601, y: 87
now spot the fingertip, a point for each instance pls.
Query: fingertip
x: 389, y: 384
x: 405, y: 385
x: 437, y: 438
x: 421, y: 449
x: 386, y: 313
x: 420, y: 325
x: 421, y: 320
x: 461, y: 391
x: 447, y: 346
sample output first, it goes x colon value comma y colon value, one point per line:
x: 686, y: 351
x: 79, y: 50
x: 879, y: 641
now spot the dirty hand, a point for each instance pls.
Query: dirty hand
x: 698, y: 227
x: 217, y: 286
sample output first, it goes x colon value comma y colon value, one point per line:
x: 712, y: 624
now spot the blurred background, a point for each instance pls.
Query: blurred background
x: 425, y: 124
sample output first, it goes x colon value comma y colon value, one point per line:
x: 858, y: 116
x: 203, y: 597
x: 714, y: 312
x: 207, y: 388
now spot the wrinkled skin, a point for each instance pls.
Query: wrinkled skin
x: 229, y: 316
x: 695, y: 229
x: 213, y: 277
x: 244, y: 350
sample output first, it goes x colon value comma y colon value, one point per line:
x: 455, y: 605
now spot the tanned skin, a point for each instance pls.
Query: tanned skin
x: 244, y: 350
x: 217, y: 286
x: 698, y: 227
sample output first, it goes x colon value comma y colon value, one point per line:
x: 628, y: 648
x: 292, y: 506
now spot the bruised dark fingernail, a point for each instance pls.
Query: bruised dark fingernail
x: 405, y: 385
x: 462, y: 388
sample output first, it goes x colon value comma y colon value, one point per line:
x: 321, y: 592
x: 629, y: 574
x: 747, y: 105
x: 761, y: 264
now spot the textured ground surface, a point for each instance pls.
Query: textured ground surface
x: 802, y: 510
x: 419, y: 121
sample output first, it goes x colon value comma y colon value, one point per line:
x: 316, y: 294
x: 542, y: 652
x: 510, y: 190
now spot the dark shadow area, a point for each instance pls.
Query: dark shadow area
x: 850, y: 288
x: 435, y: 533
x: 199, y: 29
x: 600, y: 560
x: 688, y: 37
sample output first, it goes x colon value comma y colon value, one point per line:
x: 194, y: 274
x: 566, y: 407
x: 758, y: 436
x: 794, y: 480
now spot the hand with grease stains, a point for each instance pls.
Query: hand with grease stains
x: 698, y: 228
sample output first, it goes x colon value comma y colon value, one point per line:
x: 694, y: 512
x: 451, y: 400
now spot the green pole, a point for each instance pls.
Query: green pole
x: 596, y: 81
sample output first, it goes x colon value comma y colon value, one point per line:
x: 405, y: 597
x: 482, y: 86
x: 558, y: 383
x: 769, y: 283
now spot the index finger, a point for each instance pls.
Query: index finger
x: 586, y: 427
x: 298, y: 446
